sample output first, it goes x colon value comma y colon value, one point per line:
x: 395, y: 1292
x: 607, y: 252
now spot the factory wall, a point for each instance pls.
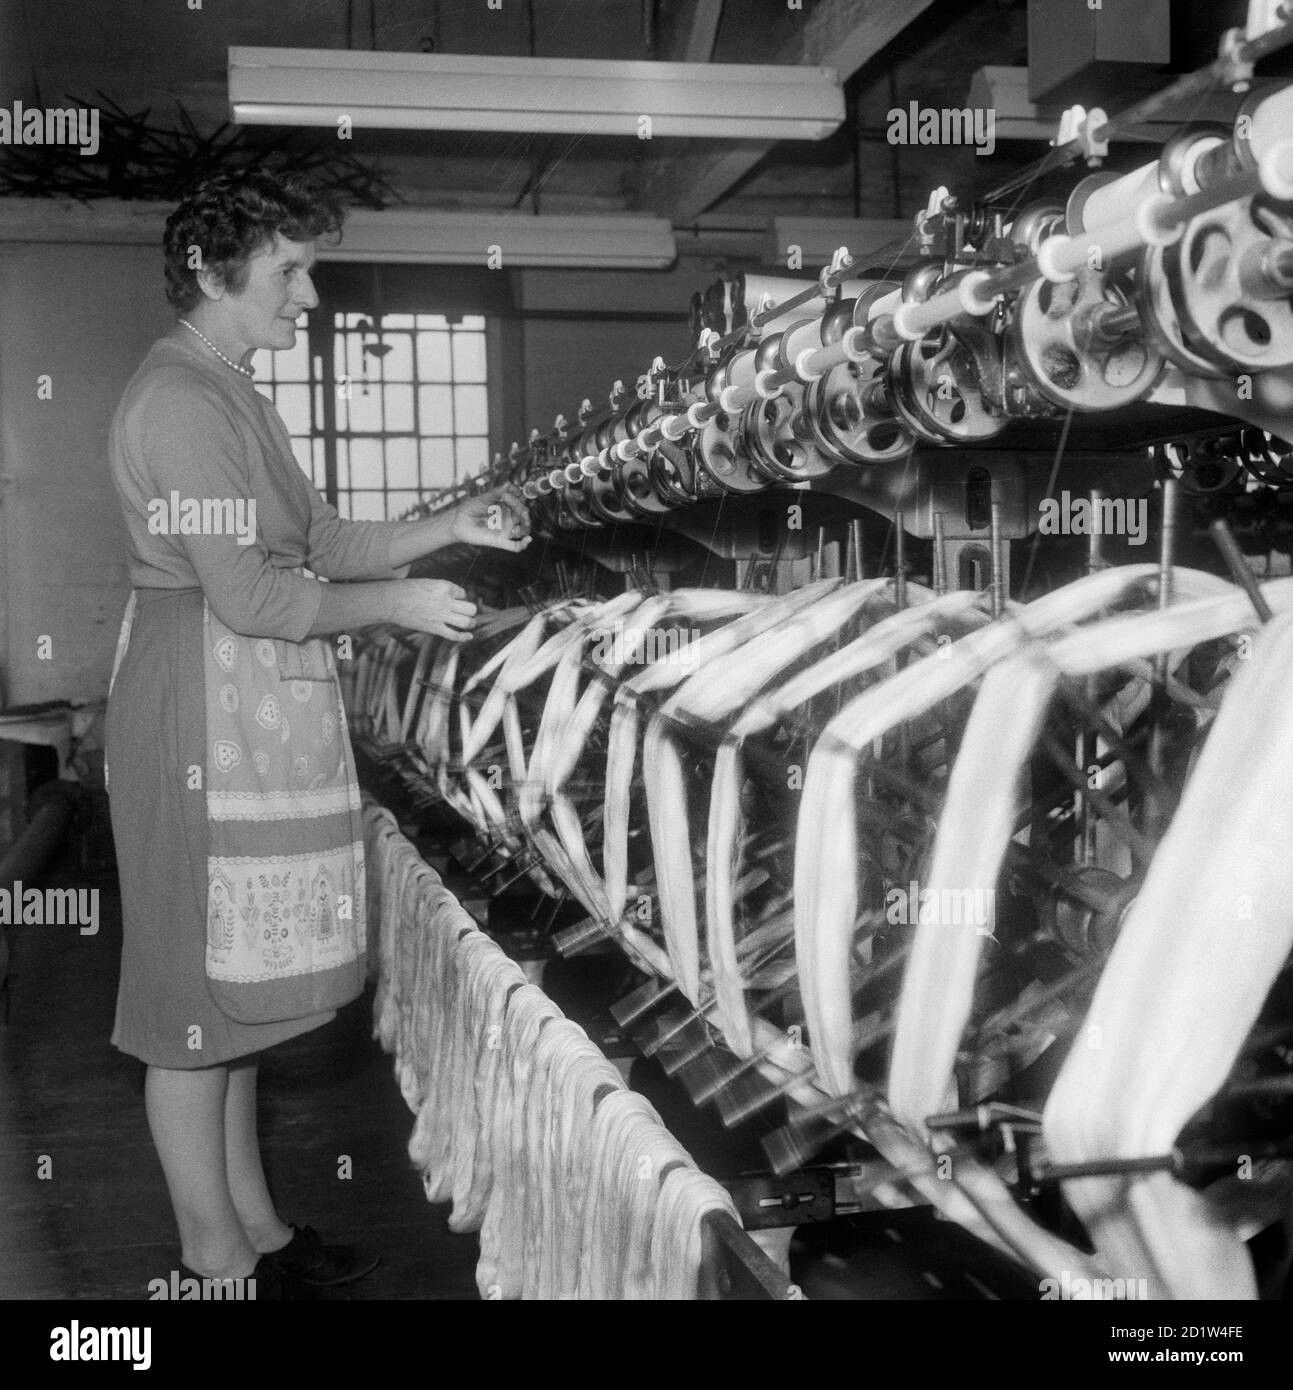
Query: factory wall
x: 84, y: 315
x: 80, y: 316
x: 600, y: 348
x: 596, y: 355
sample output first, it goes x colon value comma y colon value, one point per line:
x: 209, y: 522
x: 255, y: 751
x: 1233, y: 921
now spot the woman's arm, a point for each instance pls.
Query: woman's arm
x: 179, y: 437
x: 499, y: 519
x: 426, y: 605
x: 339, y: 549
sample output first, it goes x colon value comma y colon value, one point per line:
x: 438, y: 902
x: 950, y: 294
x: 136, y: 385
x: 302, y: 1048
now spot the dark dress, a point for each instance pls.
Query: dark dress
x: 190, y: 425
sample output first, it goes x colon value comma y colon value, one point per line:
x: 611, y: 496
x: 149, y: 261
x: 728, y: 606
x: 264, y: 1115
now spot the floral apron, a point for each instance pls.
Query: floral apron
x: 286, y: 896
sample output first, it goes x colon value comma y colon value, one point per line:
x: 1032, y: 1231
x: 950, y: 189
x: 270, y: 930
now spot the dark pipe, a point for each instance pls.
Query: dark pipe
x: 25, y: 860
x: 50, y: 812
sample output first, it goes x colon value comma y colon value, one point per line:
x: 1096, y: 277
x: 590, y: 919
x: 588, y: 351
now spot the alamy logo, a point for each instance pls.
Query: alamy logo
x: 203, y: 516
x: 188, y: 1289
x: 77, y: 1343
x: 1081, y: 1289
x: 1107, y: 516
x: 50, y: 907
x: 941, y: 907
x: 915, y: 124
x: 72, y: 125
x: 617, y: 646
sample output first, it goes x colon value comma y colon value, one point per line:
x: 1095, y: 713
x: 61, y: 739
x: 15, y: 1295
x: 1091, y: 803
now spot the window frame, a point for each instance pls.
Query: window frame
x: 372, y: 290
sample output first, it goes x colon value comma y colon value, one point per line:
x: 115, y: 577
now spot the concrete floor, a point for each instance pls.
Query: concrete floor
x: 98, y: 1224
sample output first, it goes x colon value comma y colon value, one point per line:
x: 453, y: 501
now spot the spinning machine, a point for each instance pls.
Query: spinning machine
x: 837, y: 691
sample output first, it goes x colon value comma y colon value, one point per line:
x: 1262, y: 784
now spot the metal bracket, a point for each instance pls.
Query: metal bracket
x: 832, y: 275
x: 933, y: 209
x: 1238, y: 74
x: 1079, y: 124
x: 799, y: 1199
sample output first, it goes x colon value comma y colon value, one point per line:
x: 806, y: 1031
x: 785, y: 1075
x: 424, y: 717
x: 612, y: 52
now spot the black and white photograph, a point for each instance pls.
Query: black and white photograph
x: 646, y: 655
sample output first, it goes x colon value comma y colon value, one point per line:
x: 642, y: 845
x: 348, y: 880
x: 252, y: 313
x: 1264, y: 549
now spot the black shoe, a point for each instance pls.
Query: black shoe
x: 275, y: 1283
x: 319, y: 1266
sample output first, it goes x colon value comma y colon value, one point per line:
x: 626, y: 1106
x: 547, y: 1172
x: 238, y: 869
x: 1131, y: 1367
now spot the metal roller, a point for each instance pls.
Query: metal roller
x: 1082, y: 344
x: 777, y: 797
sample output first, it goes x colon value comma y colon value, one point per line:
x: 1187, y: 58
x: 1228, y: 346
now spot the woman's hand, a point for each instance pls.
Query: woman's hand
x: 436, y: 606
x: 499, y: 518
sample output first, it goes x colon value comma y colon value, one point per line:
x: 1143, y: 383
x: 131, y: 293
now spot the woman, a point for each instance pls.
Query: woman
x: 233, y: 801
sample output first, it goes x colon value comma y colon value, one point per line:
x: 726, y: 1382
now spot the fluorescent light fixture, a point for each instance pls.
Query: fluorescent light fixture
x: 575, y: 96
x: 818, y: 238
x: 503, y: 240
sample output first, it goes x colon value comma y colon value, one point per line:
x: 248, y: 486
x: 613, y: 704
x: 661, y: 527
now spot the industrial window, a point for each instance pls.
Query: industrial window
x: 292, y: 380
x: 408, y: 412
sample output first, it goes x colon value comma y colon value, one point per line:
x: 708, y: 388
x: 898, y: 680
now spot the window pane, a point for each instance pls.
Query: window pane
x: 365, y: 409
x: 397, y: 365
x: 470, y: 413
x: 433, y: 357
x: 473, y: 456
x: 468, y: 356
x: 293, y: 404
x: 350, y: 360
x: 293, y: 364
x: 435, y: 409
x: 401, y: 463
x: 437, y: 464
x: 368, y: 506
x: 365, y: 463
x: 393, y: 449
x: 399, y: 409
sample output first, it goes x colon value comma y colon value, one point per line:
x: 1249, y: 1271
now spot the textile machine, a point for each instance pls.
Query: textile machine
x: 939, y: 817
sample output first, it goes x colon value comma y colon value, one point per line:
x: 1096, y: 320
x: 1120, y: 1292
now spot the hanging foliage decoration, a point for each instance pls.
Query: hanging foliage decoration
x: 138, y: 161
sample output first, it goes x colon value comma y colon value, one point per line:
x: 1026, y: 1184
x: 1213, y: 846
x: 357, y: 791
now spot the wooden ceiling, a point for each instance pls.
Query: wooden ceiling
x: 160, y: 53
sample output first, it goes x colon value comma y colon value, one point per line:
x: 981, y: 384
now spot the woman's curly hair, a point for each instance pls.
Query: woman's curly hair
x: 228, y: 217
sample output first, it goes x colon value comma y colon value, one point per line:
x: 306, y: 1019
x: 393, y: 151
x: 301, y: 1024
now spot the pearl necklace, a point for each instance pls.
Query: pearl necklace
x: 229, y: 362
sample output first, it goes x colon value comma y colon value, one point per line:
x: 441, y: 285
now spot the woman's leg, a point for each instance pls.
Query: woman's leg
x: 265, y: 1229
x: 186, y: 1114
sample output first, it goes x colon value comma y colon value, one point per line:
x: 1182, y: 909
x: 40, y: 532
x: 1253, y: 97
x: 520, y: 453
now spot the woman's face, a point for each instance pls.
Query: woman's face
x: 278, y: 291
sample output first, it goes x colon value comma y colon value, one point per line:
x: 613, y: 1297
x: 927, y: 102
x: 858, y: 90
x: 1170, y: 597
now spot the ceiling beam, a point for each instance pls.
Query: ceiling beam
x: 842, y: 34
